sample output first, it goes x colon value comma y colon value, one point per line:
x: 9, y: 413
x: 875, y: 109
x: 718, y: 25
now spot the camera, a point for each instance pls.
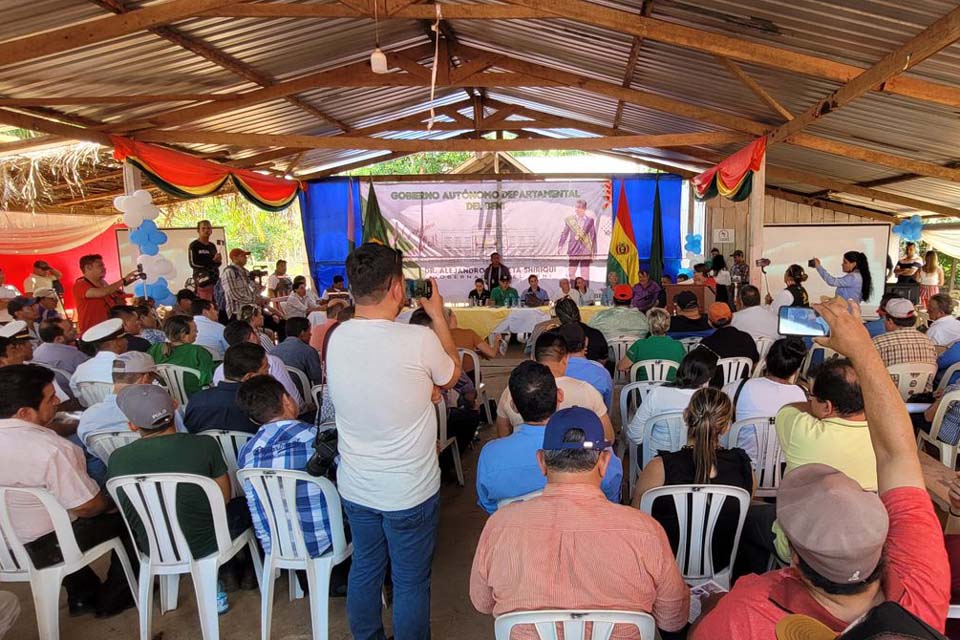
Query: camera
x: 763, y: 262
x: 812, y: 263
x: 323, y: 462
x: 140, y: 273
x: 257, y: 273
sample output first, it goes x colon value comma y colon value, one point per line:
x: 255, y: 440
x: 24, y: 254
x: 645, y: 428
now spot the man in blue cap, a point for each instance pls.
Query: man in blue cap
x: 508, y: 466
x: 571, y: 548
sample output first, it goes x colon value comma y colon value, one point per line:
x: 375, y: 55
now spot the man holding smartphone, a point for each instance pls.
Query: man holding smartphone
x: 383, y: 378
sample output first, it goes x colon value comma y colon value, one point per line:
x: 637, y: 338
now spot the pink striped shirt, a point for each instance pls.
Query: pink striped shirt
x: 573, y: 549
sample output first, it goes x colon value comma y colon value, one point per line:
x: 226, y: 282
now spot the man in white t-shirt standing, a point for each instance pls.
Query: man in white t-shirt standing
x: 382, y: 377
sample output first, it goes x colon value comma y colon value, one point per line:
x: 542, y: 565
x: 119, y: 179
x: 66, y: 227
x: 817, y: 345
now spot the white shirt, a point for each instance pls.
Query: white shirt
x: 99, y: 368
x: 944, y: 330
x: 758, y: 322
x: 210, y: 336
x: 381, y: 376
x: 296, y: 307
x: 760, y: 398
x: 576, y: 393
x: 782, y: 299
x: 106, y: 416
x: 7, y: 292
x: 660, y: 400
x: 33, y: 282
x: 278, y: 370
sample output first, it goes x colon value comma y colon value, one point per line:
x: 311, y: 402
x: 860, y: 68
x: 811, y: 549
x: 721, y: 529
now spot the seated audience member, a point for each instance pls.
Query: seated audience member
x: 850, y: 548
x: 754, y: 319
x: 48, y: 304
x: 345, y: 313
x: 180, y: 350
x: 238, y: 332
x: 161, y: 448
x: 534, y: 296
x: 209, y: 330
x: 597, y: 349
x: 533, y: 554
x: 656, y: 346
x: 463, y: 338
x: 565, y: 291
x: 606, y: 296
x: 184, y: 304
x: 878, y: 326
x: 281, y: 442
x: 253, y: 315
x: 150, y: 325
x: 944, y: 327
x: 901, y: 343
x: 507, y: 466
x: 296, y: 351
x: 109, y: 340
x: 688, y: 318
x: 701, y: 461
x: 622, y: 319
x: 129, y: 368
x: 336, y: 294
x: 538, y: 329
x: 727, y: 341
x: 590, y: 371
x: 696, y: 370
x: 216, y: 407
x: 581, y: 292
x: 25, y: 310
x: 16, y: 347
x: 299, y: 304
x: 318, y: 332
x: 33, y: 455
x: 683, y: 278
x: 58, y: 346
x: 479, y: 295
x: 131, y: 327
x: 504, y: 295
x: 551, y: 350
x: 646, y: 293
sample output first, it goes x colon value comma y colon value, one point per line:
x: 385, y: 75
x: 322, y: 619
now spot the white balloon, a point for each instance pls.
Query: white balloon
x: 136, y: 208
x: 150, y: 212
x: 132, y: 219
x: 156, y: 267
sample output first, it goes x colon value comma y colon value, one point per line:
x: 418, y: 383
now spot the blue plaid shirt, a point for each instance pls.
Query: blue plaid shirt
x: 287, y: 444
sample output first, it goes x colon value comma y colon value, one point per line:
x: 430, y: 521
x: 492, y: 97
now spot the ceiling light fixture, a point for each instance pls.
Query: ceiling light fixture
x: 378, y: 60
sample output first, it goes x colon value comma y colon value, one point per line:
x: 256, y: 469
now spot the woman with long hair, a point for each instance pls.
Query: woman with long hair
x: 722, y: 277
x: 793, y: 294
x: 181, y: 332
x: 701, y: 461
x: 931, y: 277
x: 253, y: 315
x: 856, y: 284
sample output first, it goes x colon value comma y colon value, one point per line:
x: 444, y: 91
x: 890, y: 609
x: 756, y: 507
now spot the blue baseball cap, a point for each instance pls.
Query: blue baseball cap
x: 574, y: 418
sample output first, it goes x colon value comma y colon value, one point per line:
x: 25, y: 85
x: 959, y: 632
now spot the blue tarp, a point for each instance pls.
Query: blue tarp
x: 640, y: 190
x: 330, y: 211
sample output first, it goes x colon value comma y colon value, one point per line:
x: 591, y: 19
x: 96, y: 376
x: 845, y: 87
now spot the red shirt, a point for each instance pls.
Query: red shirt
x: 91, y: 311
x: 917, y: 576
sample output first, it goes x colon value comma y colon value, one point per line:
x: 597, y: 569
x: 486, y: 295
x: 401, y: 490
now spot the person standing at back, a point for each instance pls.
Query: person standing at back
x: 93, y: 295
x: 205, y: 260
x: 382, y: 377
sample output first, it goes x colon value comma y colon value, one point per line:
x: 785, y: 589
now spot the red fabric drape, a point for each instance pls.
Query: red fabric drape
x: 728, y: 177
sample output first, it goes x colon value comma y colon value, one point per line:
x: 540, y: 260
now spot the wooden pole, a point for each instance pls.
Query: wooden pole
x: 953, y: 274
x: 755, y: 217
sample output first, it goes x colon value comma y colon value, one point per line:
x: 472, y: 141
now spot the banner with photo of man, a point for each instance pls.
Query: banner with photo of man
x: 553, y: 230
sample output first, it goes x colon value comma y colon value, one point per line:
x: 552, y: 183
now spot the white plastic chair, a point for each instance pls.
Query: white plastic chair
x: 45, y: 583
x: 173, y: 377
x: 808, y: 362
x: 912, y: 377
x: 949, y: 373
x: 767, y: 455
x: 676, y: 429
x: 230, y: 444
x: 11, y: 569
x: 618, y: 350
x: 276, y: 489
x: 90, y: 393
x: 154, y: 498
x: 480, y: 385
x: 763, y: 346
x: 104, y: 443
x: 523, y: 498
x: 631, y: 397
x: 316, y: 394
x: 689, y: 344
x: 655, y: 370
x: 698, y: 509
x: 760, y: 369
x: 445, y: 441
x: 301, y: 380
x: 948, y: 452
x: 575, y: 623
x: 734, y: 368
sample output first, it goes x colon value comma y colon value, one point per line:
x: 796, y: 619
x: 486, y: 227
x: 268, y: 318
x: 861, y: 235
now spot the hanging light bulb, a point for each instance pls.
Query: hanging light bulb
x: 378, y: 60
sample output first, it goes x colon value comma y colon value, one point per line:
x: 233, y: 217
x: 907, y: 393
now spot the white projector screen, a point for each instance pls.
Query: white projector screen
x: 175, y: 250
x: 797, y: 244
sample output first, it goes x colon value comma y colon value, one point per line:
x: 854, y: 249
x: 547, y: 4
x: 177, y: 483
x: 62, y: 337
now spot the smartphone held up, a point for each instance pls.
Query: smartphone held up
x: 801, y: 321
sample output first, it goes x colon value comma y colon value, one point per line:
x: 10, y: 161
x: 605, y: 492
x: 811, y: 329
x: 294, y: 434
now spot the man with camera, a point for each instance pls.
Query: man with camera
x: 382, y: 377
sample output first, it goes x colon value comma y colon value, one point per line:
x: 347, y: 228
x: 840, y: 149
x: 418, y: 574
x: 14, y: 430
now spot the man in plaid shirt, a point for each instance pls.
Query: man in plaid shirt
x: 282, y: 442
x: 901, y: 343
x: 238, y: 287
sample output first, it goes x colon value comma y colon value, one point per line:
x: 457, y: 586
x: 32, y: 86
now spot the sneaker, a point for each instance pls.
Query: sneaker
x: 222, y: 605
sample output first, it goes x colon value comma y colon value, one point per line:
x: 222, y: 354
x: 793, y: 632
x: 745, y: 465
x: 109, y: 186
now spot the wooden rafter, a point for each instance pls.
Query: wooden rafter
x: 53, y: 127
x: 49, y: 101
x: 755, y: 87
x: 645, y: 10
x: 31, y: 144
x: 937, y: 36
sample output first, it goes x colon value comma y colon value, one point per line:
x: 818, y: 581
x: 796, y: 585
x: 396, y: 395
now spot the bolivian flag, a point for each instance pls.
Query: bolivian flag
x: 623, y: 259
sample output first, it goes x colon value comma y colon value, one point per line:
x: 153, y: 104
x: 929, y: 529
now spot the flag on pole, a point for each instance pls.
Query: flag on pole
x: 623, y: 259
x: 378, y: 229
x: 656, y: 237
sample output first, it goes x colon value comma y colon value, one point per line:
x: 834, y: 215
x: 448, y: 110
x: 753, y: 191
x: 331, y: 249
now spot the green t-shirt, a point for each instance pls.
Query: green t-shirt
x: 174, y: 453
x: 187, y: 355
x: 656, y: 348
x: 505, y: 297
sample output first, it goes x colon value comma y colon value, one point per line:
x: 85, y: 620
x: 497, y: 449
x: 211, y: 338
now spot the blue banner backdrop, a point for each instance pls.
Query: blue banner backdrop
x: 331, y: 216
x: 640, y: 190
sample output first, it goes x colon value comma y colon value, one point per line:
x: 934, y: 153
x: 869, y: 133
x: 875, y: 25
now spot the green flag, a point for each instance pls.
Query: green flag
x: 377, y: 229
x: 656, y: 238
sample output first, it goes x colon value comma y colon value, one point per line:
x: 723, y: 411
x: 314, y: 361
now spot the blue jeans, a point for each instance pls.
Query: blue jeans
x: 407, y: 538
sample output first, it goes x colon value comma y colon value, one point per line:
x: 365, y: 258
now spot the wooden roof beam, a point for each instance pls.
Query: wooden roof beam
x: 121, y: 99
x: 632, y: 58
x: 937, y: 36
x: 755, y: 88
x: 53, y: 127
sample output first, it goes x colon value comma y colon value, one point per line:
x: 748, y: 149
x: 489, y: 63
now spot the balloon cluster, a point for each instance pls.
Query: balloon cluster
x: 693, y: 244
x: 910, y: 229
x: 139, y: 214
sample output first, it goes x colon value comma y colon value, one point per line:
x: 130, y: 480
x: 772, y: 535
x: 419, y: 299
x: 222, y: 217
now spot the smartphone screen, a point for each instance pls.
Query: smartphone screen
x: 801, y: 321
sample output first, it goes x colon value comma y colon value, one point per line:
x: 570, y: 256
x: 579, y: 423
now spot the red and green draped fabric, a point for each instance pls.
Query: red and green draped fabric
x: 733, y: 177
x: 185, y: 176
x: 623, y: 258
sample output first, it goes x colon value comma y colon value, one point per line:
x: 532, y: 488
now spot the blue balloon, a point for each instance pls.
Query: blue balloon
x: 148, y: 225
x: 693, y: 243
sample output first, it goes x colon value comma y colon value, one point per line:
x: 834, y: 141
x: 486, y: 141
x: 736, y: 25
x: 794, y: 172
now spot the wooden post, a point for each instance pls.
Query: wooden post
x: 755, y: 217
x: 953, y: 275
